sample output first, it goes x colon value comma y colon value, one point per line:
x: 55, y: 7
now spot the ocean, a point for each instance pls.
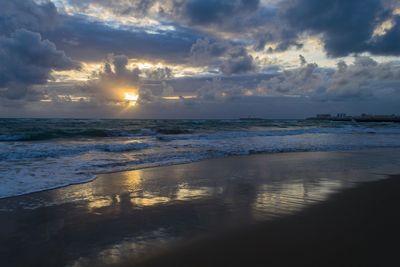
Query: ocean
x: 41, y: 154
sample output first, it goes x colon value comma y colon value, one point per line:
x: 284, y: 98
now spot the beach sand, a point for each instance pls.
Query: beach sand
x: 357, y: 227
x: 259, y: 210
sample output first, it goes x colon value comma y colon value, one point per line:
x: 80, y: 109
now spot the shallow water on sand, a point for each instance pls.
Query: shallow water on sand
x: 131, y: 214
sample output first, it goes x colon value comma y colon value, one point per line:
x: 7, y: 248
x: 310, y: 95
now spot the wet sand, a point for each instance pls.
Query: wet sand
x: 357, y: 227
x: 125, y: 217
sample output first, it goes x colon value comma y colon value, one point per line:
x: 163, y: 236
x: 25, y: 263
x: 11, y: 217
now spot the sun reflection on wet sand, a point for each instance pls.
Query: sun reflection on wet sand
x: 190, y: 193
x: 132, y: 180
x: 97, y: 203
x: 148, y: 200
x: 280, y: 199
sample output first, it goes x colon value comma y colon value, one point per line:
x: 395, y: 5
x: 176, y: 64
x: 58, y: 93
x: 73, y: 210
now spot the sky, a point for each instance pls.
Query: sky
x: 198, y: 58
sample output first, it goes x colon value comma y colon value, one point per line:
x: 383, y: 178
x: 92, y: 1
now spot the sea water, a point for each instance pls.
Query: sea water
x: 40, y: 154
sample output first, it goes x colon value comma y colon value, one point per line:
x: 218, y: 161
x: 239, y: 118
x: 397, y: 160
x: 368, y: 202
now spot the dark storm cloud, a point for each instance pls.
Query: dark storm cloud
x: 205, y: 50
x: 26, y: 59
x: 194, y: 11
x: 84, y: 39
x: 346, y: 26
x: 225, y: 15
x: 87, y: 40
x: 17, y: 14
x: 389, y: 44
x: 228, y: 57
x: 215, y: 11
x: 238, y: 61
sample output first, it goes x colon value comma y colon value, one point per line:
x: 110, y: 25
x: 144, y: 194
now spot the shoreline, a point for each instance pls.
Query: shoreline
x: 96, y: 175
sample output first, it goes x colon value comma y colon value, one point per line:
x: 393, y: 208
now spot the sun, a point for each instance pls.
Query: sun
x: 130, y: 97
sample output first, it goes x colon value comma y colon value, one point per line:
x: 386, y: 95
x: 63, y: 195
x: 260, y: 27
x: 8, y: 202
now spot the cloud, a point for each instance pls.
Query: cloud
x: 192, y: 11
x: 237, y: 61
x: 345, y: 26
x: 235, y: 17
x: 118, y: 77
x: 86, y: 38
x: 229, y: 58
x: 207, y: 15
x: 205, y: 51
x: 120, y: 7
x: 18, y: 14
x: 214, y: 11
x: 363, y: 79
x: 89, y: 40
x: 26, y: 60
x: 159, y: 74
x: 388, y: 43
x: 110, y: 84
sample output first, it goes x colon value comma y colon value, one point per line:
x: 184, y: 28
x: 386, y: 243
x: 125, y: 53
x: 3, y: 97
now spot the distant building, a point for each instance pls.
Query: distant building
x: 363, y: 118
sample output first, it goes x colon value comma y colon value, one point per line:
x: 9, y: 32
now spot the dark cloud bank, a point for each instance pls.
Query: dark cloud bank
x: 346, y: 26
x: 26, y: 59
